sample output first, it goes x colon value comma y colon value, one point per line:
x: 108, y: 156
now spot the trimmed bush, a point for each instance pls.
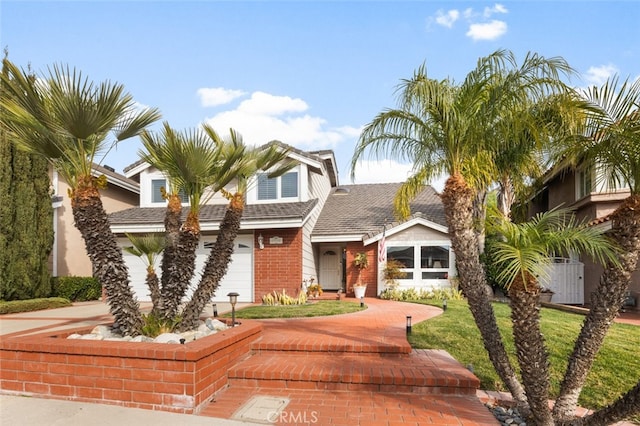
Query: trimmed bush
x: 17, y: 306
x: 77, y: 289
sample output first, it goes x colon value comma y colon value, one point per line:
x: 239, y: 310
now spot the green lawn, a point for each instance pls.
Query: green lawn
x: 616, y: 369
x: 315, y: 309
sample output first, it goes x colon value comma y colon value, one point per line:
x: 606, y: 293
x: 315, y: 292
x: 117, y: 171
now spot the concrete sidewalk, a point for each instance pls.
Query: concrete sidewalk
x: 22, y: 410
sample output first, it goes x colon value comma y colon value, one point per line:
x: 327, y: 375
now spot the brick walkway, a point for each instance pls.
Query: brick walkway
x: 355, y: 369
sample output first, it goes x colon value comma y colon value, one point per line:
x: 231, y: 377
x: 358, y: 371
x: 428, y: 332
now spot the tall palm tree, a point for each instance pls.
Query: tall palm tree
x: 612, y: 143
x: 67, y: 119
x: 198, y: 165
x: 243, y: 163
x: 523, y: 254
x: 148, y: 247
x: 444, y: 127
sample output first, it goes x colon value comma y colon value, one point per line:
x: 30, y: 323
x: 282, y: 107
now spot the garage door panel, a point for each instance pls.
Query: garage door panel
x: 239, y: 276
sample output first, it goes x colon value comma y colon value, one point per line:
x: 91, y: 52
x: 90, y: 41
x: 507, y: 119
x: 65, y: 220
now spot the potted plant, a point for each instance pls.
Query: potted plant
x: 393, y: 272
x: 546, y: 294
x: 361, y: 262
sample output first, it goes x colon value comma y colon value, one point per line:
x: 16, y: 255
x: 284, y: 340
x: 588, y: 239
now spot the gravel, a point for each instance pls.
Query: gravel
x: 507, y: 416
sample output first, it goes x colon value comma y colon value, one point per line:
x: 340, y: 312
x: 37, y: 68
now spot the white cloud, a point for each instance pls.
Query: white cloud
x: 265, y: 117
x: 386, y: 171
x: 381, y: 171
x: 497, y: 8
x: 214, y: 96
x: 447, y: 19
x: 480, y: 28
x: 598, y: 75
x: 487, y: 31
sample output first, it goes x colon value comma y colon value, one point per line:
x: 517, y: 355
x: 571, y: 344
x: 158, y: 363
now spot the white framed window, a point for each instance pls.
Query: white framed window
x: 285, y: 186
x: 423, y: 261
x: 156, y: 192
x: 584, y: 182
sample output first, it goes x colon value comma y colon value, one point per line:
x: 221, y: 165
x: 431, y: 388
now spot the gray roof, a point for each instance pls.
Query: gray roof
x: 365, y: 209
x: 215, y: 213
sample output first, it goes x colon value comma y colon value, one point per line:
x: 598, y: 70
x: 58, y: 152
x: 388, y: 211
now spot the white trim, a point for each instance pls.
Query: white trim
x: 211, y: 226
x: 336, y: 238
x: 137, y: 169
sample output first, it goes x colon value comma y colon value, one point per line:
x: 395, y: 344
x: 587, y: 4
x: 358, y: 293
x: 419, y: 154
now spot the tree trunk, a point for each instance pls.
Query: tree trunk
x: 170, y: 268
x: 106, y: 257
x: 217, y: 264
x: 626, y: 406
x: 532, y: 355
x: 154, y: 288
x: 458, y: 198
x: 605, y: 304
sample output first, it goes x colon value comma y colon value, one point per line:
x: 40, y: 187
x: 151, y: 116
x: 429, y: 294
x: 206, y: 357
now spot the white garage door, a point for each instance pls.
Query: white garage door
x: 239, y: 277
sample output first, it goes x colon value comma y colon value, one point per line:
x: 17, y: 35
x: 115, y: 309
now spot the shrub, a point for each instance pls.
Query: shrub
x: 421, y: 294
x: 77, y: 289
x: 283, y: 298
x: 17, y: 306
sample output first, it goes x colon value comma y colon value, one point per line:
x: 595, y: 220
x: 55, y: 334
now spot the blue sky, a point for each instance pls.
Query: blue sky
x: 308, y: 73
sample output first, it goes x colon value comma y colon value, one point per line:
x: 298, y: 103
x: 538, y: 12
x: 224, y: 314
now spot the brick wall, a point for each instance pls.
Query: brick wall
x: 369, y: 275
x: 166, y: 377
x: 278, y: 266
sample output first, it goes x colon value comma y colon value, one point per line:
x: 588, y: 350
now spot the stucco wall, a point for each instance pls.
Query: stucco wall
x: 71, y: 256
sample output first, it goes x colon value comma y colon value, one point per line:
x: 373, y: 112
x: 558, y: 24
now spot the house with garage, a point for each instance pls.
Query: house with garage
x: 297, y: 226
x: 574, y: 279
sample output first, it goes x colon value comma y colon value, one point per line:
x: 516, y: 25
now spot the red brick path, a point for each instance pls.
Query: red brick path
x: 355, y: 369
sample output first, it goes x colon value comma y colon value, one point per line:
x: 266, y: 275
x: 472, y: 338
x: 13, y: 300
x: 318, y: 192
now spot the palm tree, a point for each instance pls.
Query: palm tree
x: 67, y: 119
x: 523, y: 254
x: 611, y: 142
x: 443, y: 127
x: 148, y: 247
x: 244, y: 163
x: 198, y: 166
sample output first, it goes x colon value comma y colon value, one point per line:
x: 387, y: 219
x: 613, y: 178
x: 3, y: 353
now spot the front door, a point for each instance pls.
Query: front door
x: 331, y: 268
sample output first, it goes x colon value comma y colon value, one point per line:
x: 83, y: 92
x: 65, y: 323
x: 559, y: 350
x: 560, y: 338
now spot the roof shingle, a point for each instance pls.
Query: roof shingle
x: 366, y: 208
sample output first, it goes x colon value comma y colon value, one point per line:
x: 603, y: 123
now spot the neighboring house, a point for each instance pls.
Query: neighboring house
x: 69, y: 256
x: 575, y: 279
x: 302, y: 225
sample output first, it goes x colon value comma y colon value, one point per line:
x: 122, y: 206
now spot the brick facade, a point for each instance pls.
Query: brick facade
x: 369, y: 275
x: 278, y: 266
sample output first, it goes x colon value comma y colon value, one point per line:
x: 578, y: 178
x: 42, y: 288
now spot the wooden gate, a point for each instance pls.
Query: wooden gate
x: 565, y: 279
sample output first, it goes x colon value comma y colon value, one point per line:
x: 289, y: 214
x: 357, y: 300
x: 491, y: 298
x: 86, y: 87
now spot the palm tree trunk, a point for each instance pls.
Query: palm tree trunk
x: 605, y: 304
x: 627, y: 405
x: 532, y: 355
x: 217, y: 263
x: 458, y: 198
x: 106, y: 257
x: 170, y: 268
x: 153, y: 283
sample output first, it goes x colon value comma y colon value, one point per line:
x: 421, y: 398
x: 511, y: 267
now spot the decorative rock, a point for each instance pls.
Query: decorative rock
x: 92, y: 337
x: 216, y: 324
x: 74, y: 336
x: 139, y: 339
x: 104, y: 331
x: 168, y: 338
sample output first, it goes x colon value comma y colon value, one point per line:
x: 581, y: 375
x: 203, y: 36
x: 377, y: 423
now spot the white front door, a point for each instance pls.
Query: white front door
x: 331, y: 268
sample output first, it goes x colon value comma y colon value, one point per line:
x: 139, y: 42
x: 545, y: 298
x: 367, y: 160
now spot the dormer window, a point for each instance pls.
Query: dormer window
x: 285, y: 186
x: 156, y: 192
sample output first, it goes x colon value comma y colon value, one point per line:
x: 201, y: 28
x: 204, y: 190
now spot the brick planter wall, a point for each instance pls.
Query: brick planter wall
x: 155, y: 376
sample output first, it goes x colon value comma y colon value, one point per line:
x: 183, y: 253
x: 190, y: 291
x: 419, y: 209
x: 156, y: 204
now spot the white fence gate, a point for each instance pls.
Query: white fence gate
x: 565, y: 279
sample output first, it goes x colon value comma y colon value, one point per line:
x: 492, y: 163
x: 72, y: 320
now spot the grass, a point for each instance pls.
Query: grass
x: 316, y: 309
x: 614, y: 372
